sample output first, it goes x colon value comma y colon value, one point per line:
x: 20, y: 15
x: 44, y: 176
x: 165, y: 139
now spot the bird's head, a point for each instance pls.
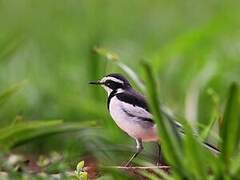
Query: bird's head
x: 113, y: 82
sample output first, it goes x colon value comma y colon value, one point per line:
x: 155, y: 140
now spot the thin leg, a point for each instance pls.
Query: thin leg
x: 139, y: 150
x: 160, y: 159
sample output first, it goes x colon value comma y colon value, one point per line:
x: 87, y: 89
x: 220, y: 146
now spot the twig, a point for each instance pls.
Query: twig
x: 138, y: 167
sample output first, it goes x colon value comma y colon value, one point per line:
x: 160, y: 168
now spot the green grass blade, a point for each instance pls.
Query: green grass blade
x: 207, y: 129
x: 4, y: 96
x: 231, y: 125
x: 193, y: 93
x: 171, y: 144
x: 23, y: 132
x: 160, y: 172
x: 235, y: 165
x: 194, y: 154
x: 10, y: 44
x: 107, y: 54
x: 10, y: 135
x: 132, y: 74
x: 113, y: 57
x: 215, y: 115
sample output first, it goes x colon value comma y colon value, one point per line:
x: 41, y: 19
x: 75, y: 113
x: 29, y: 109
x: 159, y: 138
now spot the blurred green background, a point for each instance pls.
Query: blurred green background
x: 193, y: 47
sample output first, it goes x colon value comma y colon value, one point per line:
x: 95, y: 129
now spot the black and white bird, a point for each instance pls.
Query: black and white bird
x: 130, y: 111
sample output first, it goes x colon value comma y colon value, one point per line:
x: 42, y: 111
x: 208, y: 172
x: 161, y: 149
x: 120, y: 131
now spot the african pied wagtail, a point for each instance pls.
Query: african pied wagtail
x: 130, y: 111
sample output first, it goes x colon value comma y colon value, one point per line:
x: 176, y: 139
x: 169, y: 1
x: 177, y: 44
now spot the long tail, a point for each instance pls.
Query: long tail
x: 169, y: 115
x: 212, y: 148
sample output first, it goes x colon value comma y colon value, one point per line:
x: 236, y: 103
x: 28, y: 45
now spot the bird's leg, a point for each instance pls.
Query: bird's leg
x: 160, y: 158
x: 139, y: 150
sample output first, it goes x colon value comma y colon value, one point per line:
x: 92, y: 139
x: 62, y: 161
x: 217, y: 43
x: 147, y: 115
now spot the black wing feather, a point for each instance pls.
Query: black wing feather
x: 134, y: 98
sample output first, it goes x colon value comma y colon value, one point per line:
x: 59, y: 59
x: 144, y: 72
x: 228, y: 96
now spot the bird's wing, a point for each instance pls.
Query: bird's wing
x: 135, y: 105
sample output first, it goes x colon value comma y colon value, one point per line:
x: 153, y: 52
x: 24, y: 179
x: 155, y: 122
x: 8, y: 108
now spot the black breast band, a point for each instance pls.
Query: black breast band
x: 110, y: 97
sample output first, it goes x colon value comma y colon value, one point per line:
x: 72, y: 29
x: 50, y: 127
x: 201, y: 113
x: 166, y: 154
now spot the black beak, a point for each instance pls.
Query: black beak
x: 96, y: 82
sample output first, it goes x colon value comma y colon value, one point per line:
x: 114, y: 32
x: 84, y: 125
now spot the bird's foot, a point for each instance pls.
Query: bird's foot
x: 128, y: 164
x: 158, y: 163
x: 161, y: 162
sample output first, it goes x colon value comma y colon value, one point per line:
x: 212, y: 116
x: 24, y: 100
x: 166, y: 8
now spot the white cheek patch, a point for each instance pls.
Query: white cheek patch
x: 107, y: 89
x: 110, y: 90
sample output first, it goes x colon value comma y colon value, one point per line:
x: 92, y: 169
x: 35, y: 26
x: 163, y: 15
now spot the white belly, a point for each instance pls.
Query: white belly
x: 133, y: 126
